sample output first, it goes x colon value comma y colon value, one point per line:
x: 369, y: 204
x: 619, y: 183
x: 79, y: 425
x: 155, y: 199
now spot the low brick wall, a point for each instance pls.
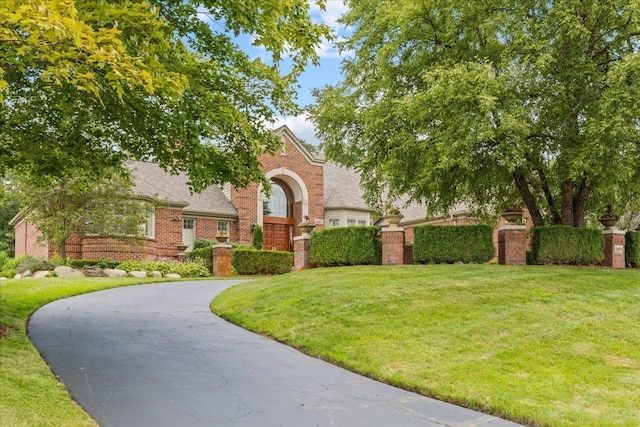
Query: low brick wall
x: 96, y: 247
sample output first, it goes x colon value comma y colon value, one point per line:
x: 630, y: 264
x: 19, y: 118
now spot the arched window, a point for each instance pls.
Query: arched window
x: 276, y: 205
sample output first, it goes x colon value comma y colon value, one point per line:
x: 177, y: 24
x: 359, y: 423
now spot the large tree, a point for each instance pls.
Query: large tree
x: 86, y: 83
x: 86, y: 202
x: 491, y: 103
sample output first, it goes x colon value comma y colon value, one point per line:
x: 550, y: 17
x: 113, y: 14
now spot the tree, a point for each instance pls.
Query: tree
x: 87, y: 202
x: 9, y: 207
x: 89, y: 84
x: 490, y: 103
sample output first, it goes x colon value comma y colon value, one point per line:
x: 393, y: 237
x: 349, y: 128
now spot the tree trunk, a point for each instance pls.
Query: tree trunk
x: 580, y: 202
x: 567, y: 202
x: 62, y: 250
x: 527, y: 197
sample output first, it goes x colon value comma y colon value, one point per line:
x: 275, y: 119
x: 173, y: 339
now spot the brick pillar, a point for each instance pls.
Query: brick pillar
x: 222, y: 260
x: 301, y: 252
x: 614, y: 248
x: 393, y: 246
x: 512, y: 245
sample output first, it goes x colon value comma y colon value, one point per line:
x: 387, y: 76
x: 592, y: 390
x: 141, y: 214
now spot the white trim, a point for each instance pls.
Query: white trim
x: 294, y: 181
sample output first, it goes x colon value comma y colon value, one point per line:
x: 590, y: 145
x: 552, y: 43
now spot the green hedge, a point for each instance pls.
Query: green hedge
x: 248, y: 262
x: 346, y: 246
x: 632, y: 248
x: 184, y: 269
x: 202, y: 255
x: 446, y: 244
x: 557, y: 244
x: 84, y: 263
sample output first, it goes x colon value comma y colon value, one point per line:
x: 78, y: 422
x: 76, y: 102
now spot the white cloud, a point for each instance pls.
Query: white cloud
x: 333, y: 11
x: 301, y: 126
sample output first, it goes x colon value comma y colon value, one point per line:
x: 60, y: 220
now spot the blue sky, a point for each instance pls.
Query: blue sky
x: 328, y: 72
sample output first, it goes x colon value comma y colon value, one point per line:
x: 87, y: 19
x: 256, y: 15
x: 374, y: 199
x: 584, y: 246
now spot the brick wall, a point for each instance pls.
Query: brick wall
x: 97, y: 247
x: 27, y: 236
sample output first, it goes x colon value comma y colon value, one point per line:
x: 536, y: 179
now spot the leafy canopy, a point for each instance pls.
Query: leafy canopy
x: 89, y: 83
x: 490, y: 103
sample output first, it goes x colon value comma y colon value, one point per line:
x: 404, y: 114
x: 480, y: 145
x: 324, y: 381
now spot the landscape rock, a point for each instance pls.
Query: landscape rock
x: 64, y: 271
x: 93, y: 271
x: 172, y: 276
x: 2, y: 278
x: 155, y: 274
x: 40, y: 274
x: 18, y: 276
x: 114, y: 272
x: 138, y: 274
x: 26, y: 273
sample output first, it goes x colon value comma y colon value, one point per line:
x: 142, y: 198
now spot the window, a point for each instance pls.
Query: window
x: 188, y: 232
x: 351, y: 222
x: 223, y: 226
x: 150, y: 226
x: 362, y: 222
x: 334, y: 222
x: 276, y: 205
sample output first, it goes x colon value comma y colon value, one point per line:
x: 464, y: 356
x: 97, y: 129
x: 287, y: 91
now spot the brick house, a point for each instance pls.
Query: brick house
x: 303, y: 184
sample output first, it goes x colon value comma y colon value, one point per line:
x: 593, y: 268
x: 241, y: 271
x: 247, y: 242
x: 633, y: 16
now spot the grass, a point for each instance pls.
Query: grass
x: 542, y: 346
x: 30, y: 395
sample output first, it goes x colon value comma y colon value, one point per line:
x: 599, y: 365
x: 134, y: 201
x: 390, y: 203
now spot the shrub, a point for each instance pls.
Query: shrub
x: 203, y: 243
x: 346, y: 246
x: 258, y: 237
x: 557, y: 244
x: 202, y: 255
x: 81, y: 264
x: 261, y: 262
x: 29, y: 262
x: 446, y: 244
x: 632, y: 249
x: 184, y: 269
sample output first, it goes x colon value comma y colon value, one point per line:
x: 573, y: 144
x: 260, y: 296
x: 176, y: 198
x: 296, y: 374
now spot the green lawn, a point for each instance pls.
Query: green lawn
x: 30, y: 395
x: 540, y: 345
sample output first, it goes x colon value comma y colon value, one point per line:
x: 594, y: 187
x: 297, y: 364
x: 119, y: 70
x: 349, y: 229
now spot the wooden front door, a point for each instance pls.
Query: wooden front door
x: 277, y: 233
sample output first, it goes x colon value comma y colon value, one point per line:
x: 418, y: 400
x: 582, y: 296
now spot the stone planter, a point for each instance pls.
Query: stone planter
x: 222, y: 238
x: 182, y: 248
x: 306, y: 227
x: 393, y: 220
x: 609, y: 221
x: 512, y: 217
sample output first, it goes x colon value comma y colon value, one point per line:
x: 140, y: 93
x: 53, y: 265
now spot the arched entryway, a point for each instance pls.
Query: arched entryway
x: 285, y: 207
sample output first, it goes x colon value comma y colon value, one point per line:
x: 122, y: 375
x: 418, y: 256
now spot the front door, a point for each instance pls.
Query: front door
x: 277, y: 233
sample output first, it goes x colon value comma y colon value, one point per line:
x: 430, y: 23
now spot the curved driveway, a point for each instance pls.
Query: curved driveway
x: 154, y: 355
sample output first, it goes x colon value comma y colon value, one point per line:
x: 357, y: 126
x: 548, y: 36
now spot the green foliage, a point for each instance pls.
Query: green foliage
x: 184, y: 269
x: 241, y: 246
x: 632, y: 248
x: 346, y: 246
x: 9, y: 207
x: 8, y: 265
x: 446, y: 244
x: 250, y: 262
x: 202, y: 255
x: 34, y: 264
x: 85, y: 202
x: 556, y: 244
x: 203, y: 243
x: 258, y: 237
x: 161, y: 84
x: 490, y: 103
x: 84, y: 263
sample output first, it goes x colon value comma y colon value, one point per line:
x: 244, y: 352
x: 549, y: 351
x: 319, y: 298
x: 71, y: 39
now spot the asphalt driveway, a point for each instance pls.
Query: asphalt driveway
x: 154, y: 355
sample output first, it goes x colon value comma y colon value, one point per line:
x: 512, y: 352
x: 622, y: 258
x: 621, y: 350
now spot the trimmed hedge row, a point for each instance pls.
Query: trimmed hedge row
x: 184, y: 269
x: 249, y: 262
x: 558, y: 244
x: 632, y: 249
x: 346, y: 246
x: 446, y: 244
x: 203, y: 255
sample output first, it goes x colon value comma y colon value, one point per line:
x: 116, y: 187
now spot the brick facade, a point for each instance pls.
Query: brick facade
x: 614, y: 248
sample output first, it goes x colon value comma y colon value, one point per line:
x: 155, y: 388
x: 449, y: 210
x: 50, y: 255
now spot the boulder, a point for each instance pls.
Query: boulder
x: 155, y: 274
x: 93, y: 271
x: 138, y: 274
x: 64, y: 271
x: 114, y: 272
x: 27, y: 273
x: 40, y: 274
x: 172, y: 276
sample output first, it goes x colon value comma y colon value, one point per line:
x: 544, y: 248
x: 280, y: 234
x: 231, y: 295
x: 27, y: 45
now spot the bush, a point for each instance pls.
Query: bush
x: 81, y: 264
x: 446, y: 244
x: 203, y: 256
x: 557, y: 244
x: 258, y: 237
x: 184, y: 269
x: 29, y: 262
x: 203, y: 243
x: 346, y: 246
x: 632, y: 249
x: 261, y: 262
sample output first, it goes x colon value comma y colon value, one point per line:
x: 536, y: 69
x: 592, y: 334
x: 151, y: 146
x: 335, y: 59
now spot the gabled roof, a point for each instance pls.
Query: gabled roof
x: 342, y: 188
x: 153, y: 182
x: 313, y: 158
